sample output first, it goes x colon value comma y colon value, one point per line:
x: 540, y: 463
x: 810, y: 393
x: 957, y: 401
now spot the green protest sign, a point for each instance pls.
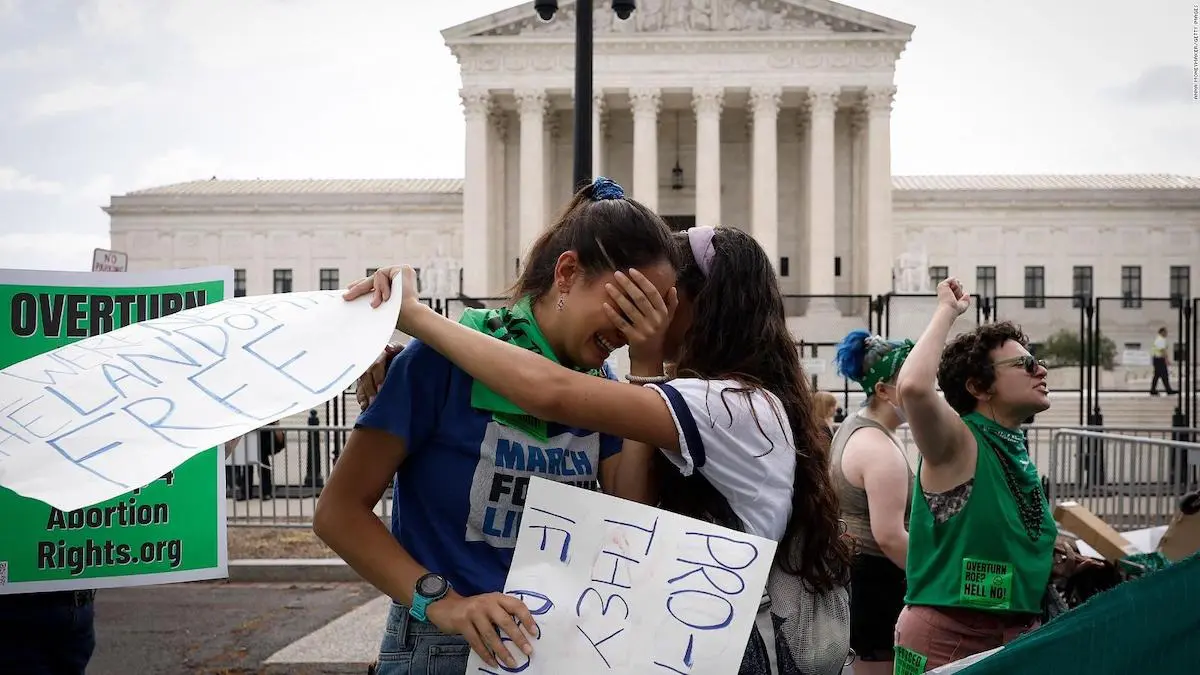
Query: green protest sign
x: 171, y: 530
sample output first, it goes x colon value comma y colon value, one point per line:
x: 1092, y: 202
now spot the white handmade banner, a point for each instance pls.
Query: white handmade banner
x: 94, y: 419
x: 619, y: 587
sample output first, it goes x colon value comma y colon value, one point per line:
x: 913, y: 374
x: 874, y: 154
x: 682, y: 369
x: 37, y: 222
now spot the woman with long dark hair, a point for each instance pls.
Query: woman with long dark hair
x: 460, y: 449
x: 734, y: 420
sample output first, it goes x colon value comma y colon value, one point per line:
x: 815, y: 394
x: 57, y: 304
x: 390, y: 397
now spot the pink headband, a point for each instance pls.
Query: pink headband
x: 702, y: 249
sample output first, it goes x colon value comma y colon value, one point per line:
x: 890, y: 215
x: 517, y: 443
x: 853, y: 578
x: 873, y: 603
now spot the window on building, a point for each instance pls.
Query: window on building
x: 837, y: 265
x: 417, y: 270
x: 371, y: 271
x: 1081, y: 284
x: 1035, y: 287
x: 1181, y: 284
x: 239, y: 283
x: 985, y: 281
x: 938, y: 274
x: 784, y: 266
x: 1131, y: 286
x: 329, y: 279
x: 283, y: 281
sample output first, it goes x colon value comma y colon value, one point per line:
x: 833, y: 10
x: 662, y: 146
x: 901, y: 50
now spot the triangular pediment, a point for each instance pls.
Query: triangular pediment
x: 734, y: 17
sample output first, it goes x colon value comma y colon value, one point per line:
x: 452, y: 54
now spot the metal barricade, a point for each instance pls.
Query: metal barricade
x: 1038, y: 438
x: 295, y: 474
x: 280, y: 489
x: 1131, y: 482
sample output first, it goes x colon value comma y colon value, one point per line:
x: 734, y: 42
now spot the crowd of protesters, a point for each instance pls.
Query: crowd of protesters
x: 892, y: 566
x: 879, y: 562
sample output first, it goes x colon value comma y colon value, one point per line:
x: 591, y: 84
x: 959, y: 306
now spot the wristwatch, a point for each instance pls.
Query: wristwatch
x: 429, y: 589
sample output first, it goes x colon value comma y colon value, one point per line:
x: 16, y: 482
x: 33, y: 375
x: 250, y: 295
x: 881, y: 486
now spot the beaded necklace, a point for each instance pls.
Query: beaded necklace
x: 1009, y: 446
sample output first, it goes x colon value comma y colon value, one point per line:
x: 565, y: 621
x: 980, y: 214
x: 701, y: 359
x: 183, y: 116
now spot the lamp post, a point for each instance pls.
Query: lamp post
x: 583, y: 75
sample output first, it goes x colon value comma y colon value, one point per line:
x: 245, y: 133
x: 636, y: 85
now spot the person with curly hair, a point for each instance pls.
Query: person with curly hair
x: 981, y: 535
x: 874, y: 484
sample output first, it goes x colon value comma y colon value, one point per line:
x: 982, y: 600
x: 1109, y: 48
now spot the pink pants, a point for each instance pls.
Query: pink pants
x: 944, y: 634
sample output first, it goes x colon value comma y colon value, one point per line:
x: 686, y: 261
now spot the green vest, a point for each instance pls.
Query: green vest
x: 996, y: 553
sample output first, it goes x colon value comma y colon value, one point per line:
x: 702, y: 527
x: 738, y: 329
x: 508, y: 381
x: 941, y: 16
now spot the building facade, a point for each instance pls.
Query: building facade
x: 773, y: 114
x: 770, y: 115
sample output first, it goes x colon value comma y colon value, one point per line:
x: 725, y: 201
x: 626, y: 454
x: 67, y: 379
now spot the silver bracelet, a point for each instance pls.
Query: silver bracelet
x: 657, y: 379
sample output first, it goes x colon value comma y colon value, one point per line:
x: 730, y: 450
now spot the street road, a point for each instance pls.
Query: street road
x: 211, y: 628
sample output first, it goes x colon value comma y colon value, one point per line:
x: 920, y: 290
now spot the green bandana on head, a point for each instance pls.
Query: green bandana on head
x: 887, y: 367
x: 517, y: 326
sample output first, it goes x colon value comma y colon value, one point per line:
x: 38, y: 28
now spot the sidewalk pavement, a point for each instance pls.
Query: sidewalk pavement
x: 345, y: 645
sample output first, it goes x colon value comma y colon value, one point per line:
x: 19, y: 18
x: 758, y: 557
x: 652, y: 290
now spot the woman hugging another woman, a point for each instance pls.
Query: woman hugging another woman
x: 461, y: 449
x: 733, y: 423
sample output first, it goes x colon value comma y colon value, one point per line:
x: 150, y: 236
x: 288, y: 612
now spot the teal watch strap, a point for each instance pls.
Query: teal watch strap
x: 417, y: 611
x: 429, y: 589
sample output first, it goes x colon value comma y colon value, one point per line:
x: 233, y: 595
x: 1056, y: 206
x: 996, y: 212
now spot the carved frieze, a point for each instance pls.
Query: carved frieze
x: 690, y: 16
x: 502, y: 62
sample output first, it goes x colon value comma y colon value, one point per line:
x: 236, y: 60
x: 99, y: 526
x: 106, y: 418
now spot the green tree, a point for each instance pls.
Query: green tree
x: 1064, y: 349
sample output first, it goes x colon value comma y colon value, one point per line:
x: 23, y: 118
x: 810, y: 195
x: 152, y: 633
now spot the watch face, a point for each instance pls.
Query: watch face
x: 431, y: 586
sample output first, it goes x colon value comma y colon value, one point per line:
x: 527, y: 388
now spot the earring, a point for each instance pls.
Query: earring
x: 562, y: 299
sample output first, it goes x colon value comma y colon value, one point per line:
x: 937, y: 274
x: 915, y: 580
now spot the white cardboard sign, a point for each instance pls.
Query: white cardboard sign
x: 620, y: 587
x: 97, y: 418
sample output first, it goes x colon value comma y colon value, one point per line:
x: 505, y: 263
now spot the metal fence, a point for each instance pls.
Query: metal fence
x: 1096, y: 346
x: 292, y: 479
x: 1131, y: 482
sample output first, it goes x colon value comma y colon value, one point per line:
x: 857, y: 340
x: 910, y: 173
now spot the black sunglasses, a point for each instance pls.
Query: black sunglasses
x: 1027, y: 362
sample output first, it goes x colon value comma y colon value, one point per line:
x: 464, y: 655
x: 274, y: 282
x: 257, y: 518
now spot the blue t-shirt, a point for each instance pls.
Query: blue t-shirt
x: 460, y: 492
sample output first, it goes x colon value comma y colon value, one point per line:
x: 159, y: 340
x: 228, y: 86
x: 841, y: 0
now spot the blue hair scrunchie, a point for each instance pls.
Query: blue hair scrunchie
x: 606, y: 188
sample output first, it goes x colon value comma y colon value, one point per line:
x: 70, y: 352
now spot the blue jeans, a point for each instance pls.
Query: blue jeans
x: 47, y: 633
x: 412, y: 647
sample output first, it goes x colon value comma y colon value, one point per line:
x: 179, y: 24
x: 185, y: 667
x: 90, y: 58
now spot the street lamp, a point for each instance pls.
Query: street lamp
x: 583, y: 75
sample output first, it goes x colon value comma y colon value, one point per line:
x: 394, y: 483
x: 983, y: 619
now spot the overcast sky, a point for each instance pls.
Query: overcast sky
x: 99, y: 97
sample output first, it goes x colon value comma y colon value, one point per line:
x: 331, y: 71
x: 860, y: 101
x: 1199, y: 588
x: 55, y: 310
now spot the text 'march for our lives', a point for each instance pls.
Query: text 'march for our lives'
x: 115, y: 410
x: 620, y: 587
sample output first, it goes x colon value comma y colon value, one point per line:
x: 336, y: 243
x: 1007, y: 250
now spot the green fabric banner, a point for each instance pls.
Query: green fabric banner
x: 1145, y: 625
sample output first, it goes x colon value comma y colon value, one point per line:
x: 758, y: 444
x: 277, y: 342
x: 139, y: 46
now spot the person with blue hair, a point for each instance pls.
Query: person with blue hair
x: 874, y: 483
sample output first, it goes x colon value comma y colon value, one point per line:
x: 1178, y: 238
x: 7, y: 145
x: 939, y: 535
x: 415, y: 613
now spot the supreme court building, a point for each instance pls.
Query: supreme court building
x: 771, y: 115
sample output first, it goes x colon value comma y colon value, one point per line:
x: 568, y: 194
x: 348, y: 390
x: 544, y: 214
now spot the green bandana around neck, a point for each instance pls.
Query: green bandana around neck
x: 887, y: 366
x: 515, y: 325
x: 1022, y: 479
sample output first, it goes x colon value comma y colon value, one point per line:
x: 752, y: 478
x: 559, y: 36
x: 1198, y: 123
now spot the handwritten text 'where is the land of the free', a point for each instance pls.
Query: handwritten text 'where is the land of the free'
x: 106, y: 387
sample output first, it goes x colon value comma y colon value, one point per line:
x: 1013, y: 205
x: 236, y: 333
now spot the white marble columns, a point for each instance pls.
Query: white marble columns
x: 646, y: 104
x: 822, y: 103
x: 750, y: 196
x: 477, y: 242
x: 878, y: 193
x: 532, y: 210
x: 706, y: 104
x: 764, y: 203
